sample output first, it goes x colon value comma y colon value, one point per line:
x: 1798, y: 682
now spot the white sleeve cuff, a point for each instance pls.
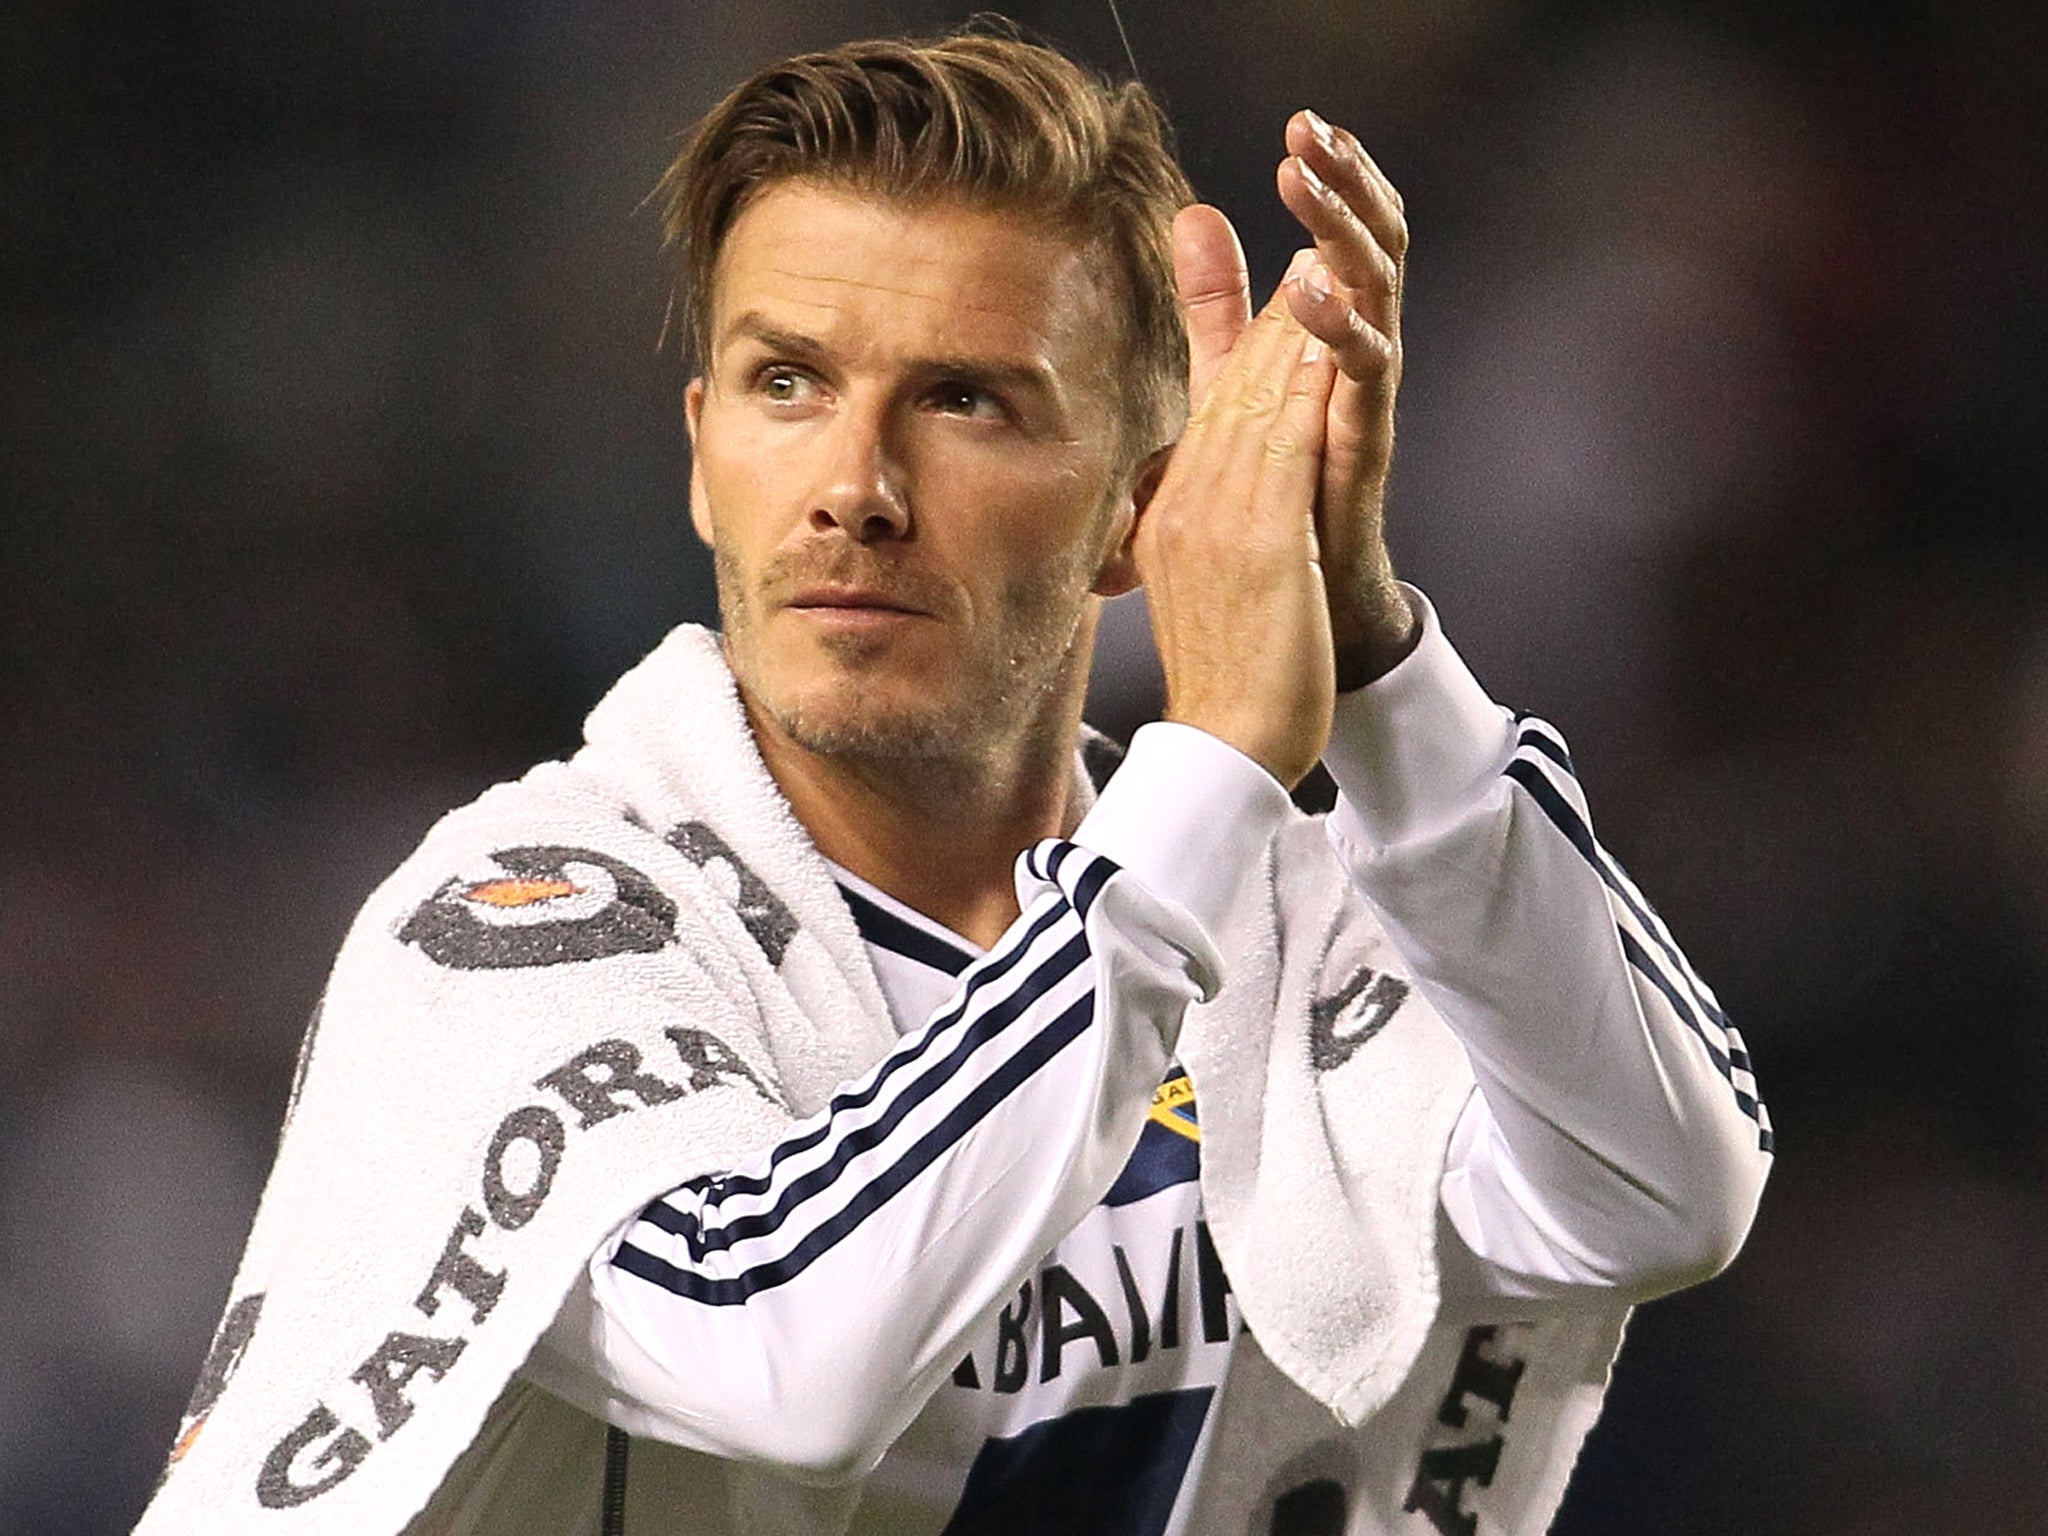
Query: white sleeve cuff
x: 1411, y: 750
x: 1189, y: 816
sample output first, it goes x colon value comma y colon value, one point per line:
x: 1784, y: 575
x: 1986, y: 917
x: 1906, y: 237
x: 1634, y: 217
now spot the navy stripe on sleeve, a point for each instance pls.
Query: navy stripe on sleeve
x: 689, y: 1284
x: 1543, y: 737
x: 986, y: 973
x: 1050, y: 860
x: 1670, y: 975
x: 1532, y: 732
x: 1580, y: 836
x: 1092, y: 880
x: 965, y: 1036
x: 702, y: 1239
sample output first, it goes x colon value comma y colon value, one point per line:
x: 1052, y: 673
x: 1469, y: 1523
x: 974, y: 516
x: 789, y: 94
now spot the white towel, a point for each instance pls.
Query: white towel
x: 625, y: 970
x: 1329, y: 1090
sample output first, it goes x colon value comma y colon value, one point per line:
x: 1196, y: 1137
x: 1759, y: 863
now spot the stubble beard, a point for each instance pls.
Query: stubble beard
x: 1007, y: 687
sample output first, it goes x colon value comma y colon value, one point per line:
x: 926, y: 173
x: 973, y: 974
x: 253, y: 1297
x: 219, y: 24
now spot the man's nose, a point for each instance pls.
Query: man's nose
x: 862, y: 490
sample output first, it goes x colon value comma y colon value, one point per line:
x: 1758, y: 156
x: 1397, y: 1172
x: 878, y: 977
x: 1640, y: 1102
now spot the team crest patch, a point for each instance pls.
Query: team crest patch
x: 1173, y: 1106
x: 542, y: 906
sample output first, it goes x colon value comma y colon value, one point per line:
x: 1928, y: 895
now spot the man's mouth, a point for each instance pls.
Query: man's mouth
x: 832, y: 601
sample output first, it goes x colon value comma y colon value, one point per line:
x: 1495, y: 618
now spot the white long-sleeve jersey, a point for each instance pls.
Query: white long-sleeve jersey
x: 979, y: 1281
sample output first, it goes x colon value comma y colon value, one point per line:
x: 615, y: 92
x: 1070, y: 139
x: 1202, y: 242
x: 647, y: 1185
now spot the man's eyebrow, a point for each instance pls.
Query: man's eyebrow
x: 754, y: 326
x: 992, y: 372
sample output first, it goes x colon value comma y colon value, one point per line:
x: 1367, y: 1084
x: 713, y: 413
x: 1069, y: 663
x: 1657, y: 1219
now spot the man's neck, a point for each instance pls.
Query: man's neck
x: 940, y: 835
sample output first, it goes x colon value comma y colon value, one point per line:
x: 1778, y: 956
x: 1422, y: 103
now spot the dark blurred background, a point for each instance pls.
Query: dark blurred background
x: 339, y: 474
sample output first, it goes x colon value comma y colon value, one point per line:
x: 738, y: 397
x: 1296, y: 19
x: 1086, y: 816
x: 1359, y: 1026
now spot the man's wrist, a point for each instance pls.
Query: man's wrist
x: 1378, y: 630
x: 1189, y: 815
x: 1413, y: 749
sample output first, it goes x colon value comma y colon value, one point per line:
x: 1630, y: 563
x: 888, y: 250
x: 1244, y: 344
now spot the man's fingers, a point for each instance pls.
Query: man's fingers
x: 1350, y: 250
x: 1227, y: 547
x: 1252, y: 392
x: 1343, y: 165
x: 1332, y: 185
x: 1215, y: 291
x: 1294, y: 446
x: 1365, y: 353
x: 1226, y: 434
x: 1244, y: 382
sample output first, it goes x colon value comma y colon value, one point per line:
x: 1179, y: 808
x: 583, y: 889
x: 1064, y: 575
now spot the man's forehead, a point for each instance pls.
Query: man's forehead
x: 816, y: 258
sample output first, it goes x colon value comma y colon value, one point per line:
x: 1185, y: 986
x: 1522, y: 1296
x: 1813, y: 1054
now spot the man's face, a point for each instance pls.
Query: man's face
x: 908, y: 466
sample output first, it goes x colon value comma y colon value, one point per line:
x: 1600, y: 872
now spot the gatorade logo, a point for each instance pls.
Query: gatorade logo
x: 542, y: 906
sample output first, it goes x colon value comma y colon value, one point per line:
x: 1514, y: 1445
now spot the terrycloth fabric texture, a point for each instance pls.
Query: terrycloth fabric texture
x: 619, y: 972
x: 1320, y: 1183
x: 1481, y: 1437
x: 584, y: 988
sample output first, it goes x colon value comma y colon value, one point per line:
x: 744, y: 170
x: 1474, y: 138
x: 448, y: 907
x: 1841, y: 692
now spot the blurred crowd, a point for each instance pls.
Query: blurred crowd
x: 340, y: 472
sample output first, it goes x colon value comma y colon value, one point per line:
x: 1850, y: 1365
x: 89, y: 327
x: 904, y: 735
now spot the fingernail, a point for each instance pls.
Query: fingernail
x: 1315, y: 280
x: 1314, y: 352
x: 1299, y: 264
x: 1320, y: 129
x: 1311, y: 180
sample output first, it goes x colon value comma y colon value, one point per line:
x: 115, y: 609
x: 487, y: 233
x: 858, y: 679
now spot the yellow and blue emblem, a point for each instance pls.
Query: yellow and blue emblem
x: 1169, y: 1149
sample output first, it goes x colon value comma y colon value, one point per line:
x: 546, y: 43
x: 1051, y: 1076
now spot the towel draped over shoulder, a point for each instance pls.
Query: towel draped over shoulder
x: 622, y: 971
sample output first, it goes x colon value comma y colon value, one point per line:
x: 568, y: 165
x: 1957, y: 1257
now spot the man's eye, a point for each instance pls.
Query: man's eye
x: 782, y: 385
x: 967, y: 400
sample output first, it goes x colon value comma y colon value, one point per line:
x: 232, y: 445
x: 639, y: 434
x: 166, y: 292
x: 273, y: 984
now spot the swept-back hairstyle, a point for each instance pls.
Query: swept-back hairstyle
x: 988, y: 120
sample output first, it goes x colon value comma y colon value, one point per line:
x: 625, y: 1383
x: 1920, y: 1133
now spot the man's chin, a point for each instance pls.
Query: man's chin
x: 866, y: 728
x: 913, y: 695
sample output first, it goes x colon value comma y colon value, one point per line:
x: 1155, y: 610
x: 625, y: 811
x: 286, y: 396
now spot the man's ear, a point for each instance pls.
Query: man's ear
x: 700, y: 504
x: 1119, y: 573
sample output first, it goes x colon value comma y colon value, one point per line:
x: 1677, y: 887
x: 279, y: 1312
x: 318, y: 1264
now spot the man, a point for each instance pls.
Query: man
x: 783, y: 1116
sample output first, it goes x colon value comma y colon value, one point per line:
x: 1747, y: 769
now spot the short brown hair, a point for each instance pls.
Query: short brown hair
x: 984, y: 118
